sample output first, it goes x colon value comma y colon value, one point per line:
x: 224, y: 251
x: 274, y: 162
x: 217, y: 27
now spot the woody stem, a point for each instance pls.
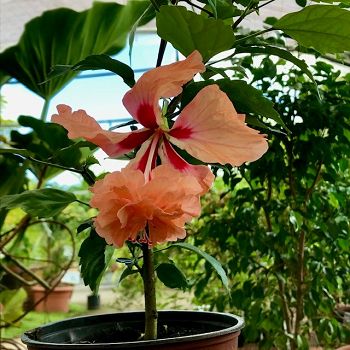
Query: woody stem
x: 149, y: 286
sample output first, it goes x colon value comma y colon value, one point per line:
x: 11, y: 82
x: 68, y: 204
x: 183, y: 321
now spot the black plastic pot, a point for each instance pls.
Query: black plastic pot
x: 93, y: 302
x: 185, y: 330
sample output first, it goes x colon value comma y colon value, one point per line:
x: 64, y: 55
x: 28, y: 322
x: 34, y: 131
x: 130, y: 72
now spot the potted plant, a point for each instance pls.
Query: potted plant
x: 148, y: 203
x: 55, y: 294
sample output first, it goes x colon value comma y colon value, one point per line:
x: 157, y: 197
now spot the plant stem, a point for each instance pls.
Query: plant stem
x: 243, y: 15
x: 161, y: 52
x: 45, y: 110
x: 149, y: 286
x: 253, y: 35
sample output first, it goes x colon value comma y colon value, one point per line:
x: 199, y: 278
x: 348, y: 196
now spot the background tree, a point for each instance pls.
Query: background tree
x: 281, y: 225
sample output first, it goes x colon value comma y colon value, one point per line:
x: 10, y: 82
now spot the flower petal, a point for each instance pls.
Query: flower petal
x: 127, y: 202
x: 110, y: 195
x: 80, y: 124
x: 210, y: 129
x: 146, y: 156
x: 142, y: 101
x: 203, y: 174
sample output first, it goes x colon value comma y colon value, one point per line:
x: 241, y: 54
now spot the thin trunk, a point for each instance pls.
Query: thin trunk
x: 149, y: 279
x: 300, y: 288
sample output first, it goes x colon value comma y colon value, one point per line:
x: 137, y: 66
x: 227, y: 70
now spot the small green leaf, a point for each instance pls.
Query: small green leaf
x: 171, y: 276
x: 95, y: 256
x: 211, y: 260
x: 84, y: 225
x: 323, y: 27
x: 95, y: 62
x: 188, y: 31
x: 127, y: 272
x: 301, y: 3
x: 46, y: 202
x: 343, y: 244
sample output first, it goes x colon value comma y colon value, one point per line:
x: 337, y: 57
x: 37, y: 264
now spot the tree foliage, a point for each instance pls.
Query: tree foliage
x: 281, y: 225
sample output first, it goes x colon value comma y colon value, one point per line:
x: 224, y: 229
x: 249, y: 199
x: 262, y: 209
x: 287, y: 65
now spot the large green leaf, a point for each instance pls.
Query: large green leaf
x: 65, y: 37
x: 44, y: 202
x: 323, y: 27
x: 188, y: 31
x: 211, y: 260
x: 95, y: 256
x: 244, y: 97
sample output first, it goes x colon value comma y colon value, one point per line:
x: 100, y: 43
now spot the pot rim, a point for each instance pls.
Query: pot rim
x: 28, y: 336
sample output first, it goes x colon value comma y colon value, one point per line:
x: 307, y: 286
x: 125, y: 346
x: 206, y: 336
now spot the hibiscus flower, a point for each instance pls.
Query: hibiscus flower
x: 208, y: 128
x: 148, y: 211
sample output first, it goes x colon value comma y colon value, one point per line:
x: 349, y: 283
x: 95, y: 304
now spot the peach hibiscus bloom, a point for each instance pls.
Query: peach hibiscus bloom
x: 208, y: 128
x: 128, y: 204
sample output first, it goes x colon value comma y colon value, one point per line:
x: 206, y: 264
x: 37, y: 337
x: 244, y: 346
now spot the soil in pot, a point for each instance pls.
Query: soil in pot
x: 183, y: 330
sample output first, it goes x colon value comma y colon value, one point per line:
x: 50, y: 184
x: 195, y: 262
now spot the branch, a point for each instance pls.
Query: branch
x: 253, y: 35
x: 22, y: 225
x: 286, y: 311
x: 161, y: 52
x: 243, y: 15
x: 23, y: 268
x: 198, y: 7
x: 314, y: 183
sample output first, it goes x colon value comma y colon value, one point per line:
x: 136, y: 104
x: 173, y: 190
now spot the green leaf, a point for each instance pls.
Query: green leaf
x: 85, y: 225
x: 46, y: 202
x: 12, y: 301
x: 325, y: 28
x: 171, y: 276
x: 65, y: 37
x: 301, y: 3
x: 10, y: 184
x: 95, y: 62
x: 345, y: 2
x: 48, y: 142
x: 95, y: 256
x: 188, y: 31
x: 275, y: 51
x: 127, y: 272
x: 22, y: 152
x: 245, y: 98
x: 147, y: 15
x: 343, y: 244
x: 211, y: 260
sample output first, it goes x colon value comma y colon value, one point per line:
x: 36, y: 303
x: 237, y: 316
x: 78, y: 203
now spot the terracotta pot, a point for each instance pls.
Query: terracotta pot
x: 199, y: 331
x: 56, y: 301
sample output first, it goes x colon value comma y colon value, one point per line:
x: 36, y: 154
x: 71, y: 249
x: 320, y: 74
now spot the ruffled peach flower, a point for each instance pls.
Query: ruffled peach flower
x: 128, y: 203
x: 208, y: 128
